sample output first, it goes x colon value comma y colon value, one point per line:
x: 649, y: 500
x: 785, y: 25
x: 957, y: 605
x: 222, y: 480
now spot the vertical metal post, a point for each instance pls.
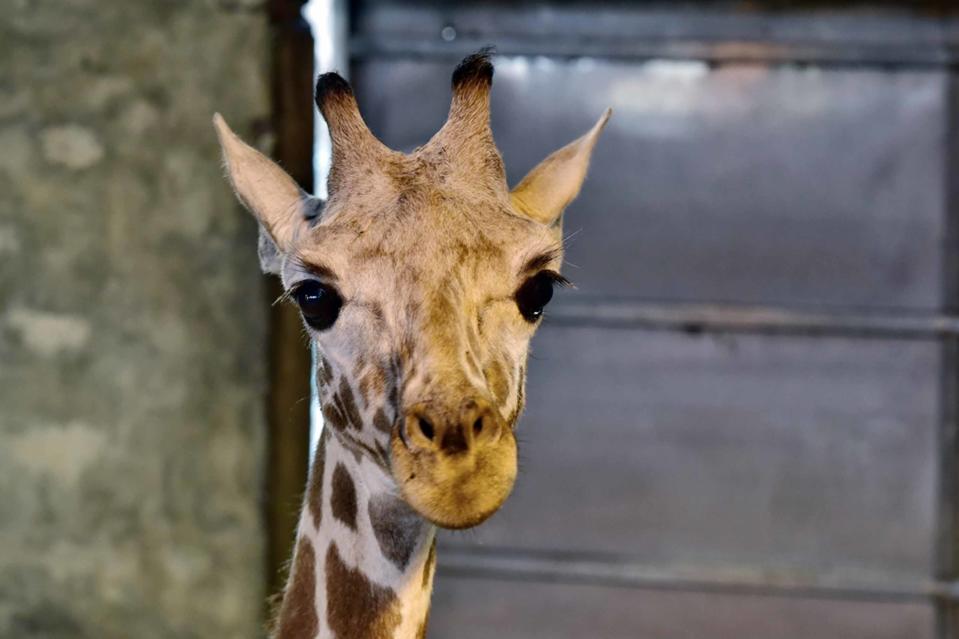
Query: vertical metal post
x: 947, y: 547
x: 288, y: 395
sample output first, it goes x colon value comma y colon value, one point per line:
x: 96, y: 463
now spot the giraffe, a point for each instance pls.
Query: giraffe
x: 420, y: 280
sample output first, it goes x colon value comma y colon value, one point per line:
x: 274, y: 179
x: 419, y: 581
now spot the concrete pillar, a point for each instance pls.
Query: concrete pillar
x: 132, y: 322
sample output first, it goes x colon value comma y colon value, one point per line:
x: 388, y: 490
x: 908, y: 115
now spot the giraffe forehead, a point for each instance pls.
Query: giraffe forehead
x: 418, y: 196
x: 423, y: 245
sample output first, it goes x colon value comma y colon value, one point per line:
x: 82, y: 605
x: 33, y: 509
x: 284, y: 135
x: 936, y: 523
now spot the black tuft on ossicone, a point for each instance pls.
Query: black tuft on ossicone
x: 476, y: 67
x: 330, y: 85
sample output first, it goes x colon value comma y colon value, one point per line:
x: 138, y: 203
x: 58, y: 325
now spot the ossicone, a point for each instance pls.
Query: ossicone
x: 474, y: 69
x: 331, y: 86
x: 466, y: 135
x: 355, y: 148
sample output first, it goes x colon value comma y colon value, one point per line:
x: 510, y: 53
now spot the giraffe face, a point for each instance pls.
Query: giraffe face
x: 421, y: 283
x: 423, y: 368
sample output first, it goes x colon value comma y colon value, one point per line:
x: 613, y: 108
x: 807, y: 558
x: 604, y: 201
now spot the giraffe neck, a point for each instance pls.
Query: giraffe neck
x: 363, y: 562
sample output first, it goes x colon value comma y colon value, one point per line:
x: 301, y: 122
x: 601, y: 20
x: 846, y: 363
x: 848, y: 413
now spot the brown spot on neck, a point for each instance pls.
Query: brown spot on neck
x: 372, y: 384
x: 357, y: 608
x: 297, y: 617
x: 333, y: 416
x: 382, y: 422
x: 359, y: 449
x: 324, y: 372
x: 343, y: 496
x: 347, y: 405
x: 341, y: 411
x: 396, y: 526
x: 315, y: 488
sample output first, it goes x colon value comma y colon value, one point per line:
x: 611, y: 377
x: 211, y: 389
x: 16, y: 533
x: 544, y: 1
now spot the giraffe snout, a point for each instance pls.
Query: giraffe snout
x: 455, y: 463
x: 472, y: 425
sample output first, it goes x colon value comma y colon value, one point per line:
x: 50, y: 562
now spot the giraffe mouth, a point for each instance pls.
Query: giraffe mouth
x: 455, y: 491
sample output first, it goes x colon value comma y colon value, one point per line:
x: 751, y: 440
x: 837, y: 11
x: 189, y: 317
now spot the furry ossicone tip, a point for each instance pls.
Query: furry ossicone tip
x: 475, y: 68
x: 330, y: 85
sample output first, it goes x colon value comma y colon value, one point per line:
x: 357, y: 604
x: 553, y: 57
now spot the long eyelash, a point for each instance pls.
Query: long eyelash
x: 285, y: 296
x: 566, y: 238
x: 296, y: 260
x: 559, y: 279
x: 556, y: 251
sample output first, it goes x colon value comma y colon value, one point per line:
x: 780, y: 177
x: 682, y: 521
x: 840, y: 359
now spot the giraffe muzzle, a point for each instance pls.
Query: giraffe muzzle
x: 455, y: 466
x: 459, y: 432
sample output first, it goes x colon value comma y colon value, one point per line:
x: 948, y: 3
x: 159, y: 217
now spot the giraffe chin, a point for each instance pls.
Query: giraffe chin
x: 456, y: 491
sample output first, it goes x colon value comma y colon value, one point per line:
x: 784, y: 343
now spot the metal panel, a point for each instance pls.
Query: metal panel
x: 947, y: 567
x: 897, y: 34
x: 743, y: 183
x: 790, y: 222
x: 479, y: 609
x: 787, y: 454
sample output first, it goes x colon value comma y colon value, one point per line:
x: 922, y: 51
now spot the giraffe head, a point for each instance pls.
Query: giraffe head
x: 421, y: 280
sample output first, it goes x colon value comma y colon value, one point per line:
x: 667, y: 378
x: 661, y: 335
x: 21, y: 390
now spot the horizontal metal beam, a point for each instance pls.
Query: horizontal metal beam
x: 890, y: 34
x: 515, y: 565
x: 731, y: 318
x: 732, y: 51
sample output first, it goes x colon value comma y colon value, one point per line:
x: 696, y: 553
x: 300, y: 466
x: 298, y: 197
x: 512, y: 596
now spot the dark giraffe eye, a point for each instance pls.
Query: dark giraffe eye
x: 535, y: 293
x: 320, y: 304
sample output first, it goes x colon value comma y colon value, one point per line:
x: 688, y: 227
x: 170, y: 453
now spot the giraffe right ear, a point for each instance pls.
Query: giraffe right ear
x: 278, y: 203
x: 555, y: 182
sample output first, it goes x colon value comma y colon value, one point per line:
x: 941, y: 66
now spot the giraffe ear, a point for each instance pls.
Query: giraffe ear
x: 278, y: 203
x: 555, y: 182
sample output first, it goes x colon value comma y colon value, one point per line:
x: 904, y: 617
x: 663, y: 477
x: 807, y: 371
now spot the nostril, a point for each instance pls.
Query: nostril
x: 478, y: 426
x: 426, y: 428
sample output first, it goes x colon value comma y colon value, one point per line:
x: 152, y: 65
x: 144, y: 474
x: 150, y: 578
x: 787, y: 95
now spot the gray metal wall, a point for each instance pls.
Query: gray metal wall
x: 741, y: 423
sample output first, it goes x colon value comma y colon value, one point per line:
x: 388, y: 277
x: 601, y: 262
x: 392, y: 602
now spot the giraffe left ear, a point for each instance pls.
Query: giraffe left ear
x: 278, y: 203
x: 555, y: 182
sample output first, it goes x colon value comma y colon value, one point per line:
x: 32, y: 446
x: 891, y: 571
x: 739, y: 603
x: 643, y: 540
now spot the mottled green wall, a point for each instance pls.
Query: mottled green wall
x: 131, y: 321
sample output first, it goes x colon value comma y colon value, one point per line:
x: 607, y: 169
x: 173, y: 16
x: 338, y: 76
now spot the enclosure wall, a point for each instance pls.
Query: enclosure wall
x: 132, y: 322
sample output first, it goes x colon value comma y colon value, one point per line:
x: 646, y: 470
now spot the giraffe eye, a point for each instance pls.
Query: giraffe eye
x: 320, y: 304
x: 535, y: 293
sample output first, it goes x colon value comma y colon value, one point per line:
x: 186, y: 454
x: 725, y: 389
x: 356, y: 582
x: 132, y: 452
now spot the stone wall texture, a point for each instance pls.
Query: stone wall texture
x: 132, y: 321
